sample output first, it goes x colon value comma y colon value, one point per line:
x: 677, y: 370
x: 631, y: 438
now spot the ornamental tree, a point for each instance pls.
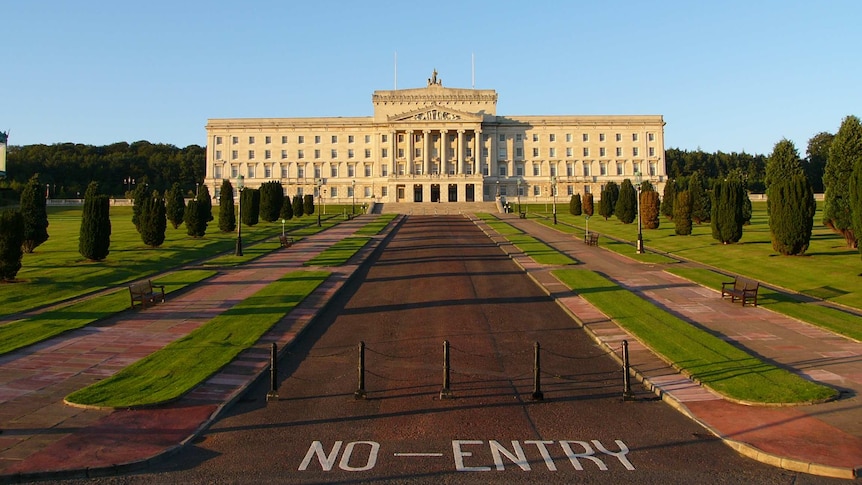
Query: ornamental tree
x: 35, y: 215
x: 298, y: 209
x: 286, y: 208
x: 682, y: 213
x: 791, y: 214
x: 94, y: 240
x: 667, y: 199
x: 727, y: 211
x: 153, y: 221
x: 846, y: 148
x: 588, y: 204
x: 610, y: 194
x: 650, y: 209
x: 11, y: 241
x: 271, y: 198
x: 308, y: 204
x: 250, y: 215
x: 226, y: 210
x: 575, y: 205
x: 700, y: 202
x: 627, y: 201
x: 175, y: 205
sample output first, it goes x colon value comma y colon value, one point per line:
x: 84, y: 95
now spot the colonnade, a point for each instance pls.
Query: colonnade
x: 441, y: 162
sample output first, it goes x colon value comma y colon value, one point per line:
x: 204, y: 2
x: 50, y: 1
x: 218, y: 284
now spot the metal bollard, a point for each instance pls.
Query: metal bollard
x: 360, y: 390
x: 445, y: 393
x: 272, y: 395
x: 537, y: 380
x: 627, y: 385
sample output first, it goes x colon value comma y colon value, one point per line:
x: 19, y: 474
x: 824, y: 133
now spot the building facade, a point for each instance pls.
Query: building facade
x: 435, y: 145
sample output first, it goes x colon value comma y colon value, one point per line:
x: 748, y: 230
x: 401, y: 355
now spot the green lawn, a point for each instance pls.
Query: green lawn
x: 532, y: 247
x: 339, y: 253
x: 829, y: 270
x: 21, y: 333
x: 705, y: 357
x: 374, y: 227
x: 167, y: 374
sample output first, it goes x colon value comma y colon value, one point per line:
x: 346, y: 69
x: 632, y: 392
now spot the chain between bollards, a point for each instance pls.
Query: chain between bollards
x: 537, y: 379
x: 272, y: 395
x: 627, y: 385
x: 445, y: 393
x: 360, y: 390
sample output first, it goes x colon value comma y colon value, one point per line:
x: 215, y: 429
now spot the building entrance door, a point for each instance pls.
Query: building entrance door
x: 417, y: 193
x: 453, y: 193
x: 471, y: 193
x: 435, y: 192
x: 399, y: 193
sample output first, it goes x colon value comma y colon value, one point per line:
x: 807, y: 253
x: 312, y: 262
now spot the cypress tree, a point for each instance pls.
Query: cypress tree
x: 308, y: 204
x: 790, y: 200
x: 250, y: 206
x: 588, y: 204
x: 650, y: 209
x: 626, y: 208
x: 668, y: 196
x: 610, y: 194
x: 700, y: 202
x: 682, y: 213
x: 195, y: 223
x: 286, y: 208
x: 11, y: 241
x: 175, y: 205
x: 140, y: 195
x: 271, y: 198
x: 298, y: 209
x: 845, y: 150
x: 35, y: 215
x: 226, y: 210
x: 727, y: 208
x: 154, y: 221
x: 575, y: 205
x: 205, y: 202
x: 94, y: 241
x: 856, y: 199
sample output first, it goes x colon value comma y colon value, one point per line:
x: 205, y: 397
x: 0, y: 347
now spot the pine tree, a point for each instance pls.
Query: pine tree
x: 790, y: 200
x: 11, y: 241
x: 205, y: 202
x: 856, y: 198
x: 286, y: 209
x: 154, y: 221
x: 194, y: 219
x: 298, y: 209
x: 588, y: 204
x: 667, y: 199
x: 575, y: 208
x: 700, y: 201
x: 250, y: 206
x: 626, y: 207
x: 175, y: 205
x: 94, y: 241
x: 140, y: 195
x: 845, y: 150
x: 650, y: 209
x: 308, y: 204
x: 35, y: 215
x: 727, y: 211
x: 271, y: 198
x: 610, y: 194
x: 682, y: 213
x: 226, y: 210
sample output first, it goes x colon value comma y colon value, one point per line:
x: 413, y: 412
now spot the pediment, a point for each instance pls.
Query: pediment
x: 435, y: 112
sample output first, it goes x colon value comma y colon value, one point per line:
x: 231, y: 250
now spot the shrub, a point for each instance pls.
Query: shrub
x: 271, y: 198
x: 286, y: 208
x: 667, y: 199
x: 575, y: 205
x: 11, y: 241
x: 610, y: 194
x: 205, y: 202
x: 250, y: 215
x: 626, y: 207
x: 34, y: 214
x: 298, y: 209
x: 682, y: 213
x: 791, y: 214
x: 154, y: 221
x: 226, y: 210
x: 588, y: 204
x: 308, y: 204
x: 727, y: 211
x: 700, y: 201
x: 196, y: 225
x: 175, y: 205
x: 650, y: 209
x: 94, y: 241
x: 140, y: 195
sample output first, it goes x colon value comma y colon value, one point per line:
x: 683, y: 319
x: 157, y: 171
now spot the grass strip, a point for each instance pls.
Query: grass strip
x: 374, y: 227
x: 532, y: 247
x: 339, y: 253
x: 22, y: 333
x: 167, y: 374
x: 836, y: 320
x: 706, y: 358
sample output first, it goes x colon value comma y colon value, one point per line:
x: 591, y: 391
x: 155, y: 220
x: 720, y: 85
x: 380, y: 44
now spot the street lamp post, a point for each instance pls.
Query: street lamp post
x: 353, y: 191
x: 640, y: 243
x: 519, y: 197
x: 319, y: 188
x: 554, y: 191
x: 129, y: 181
x: 239, y: 187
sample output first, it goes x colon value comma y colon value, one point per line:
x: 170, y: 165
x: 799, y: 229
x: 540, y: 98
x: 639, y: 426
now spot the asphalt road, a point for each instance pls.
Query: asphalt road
x: 441, y: 279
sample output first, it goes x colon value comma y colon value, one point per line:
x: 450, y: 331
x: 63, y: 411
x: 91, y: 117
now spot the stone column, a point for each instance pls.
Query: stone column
x: 393, y: 160
x: 409, y: 156
x: 477, y: 151
x: 444, y: 155
x: 426, y: 152
x: 460, y: 154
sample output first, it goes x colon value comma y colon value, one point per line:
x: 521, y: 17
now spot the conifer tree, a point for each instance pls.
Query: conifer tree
x: 845, y: 150
x: 11, y: 241
x: 226, y: 210
x: 154, y: 221
x: 667, y: 199
x: 175, y: 205
x: 727, y: 211
x: 682, y: 213
x: 626, y: 207
x: 588, y: 204
x: 94, y: 241
x: 856, y: 199
x: 205, y: 202
x: 35, y: 215
x: 610, y: 194
x: 308, y: 204
x: 286, y: 208
x: 575, y: 208
x: 250, y: 206
x: 298, y: 209
x: 195, y: 225
x: 650, y: 216
x: 700, y: 201
x: 790, y: 200
x: 271, y: 198
x: 140, y: 195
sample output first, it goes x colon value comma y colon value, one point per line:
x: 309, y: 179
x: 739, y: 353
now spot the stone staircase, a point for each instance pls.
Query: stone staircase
x: 431, y: 208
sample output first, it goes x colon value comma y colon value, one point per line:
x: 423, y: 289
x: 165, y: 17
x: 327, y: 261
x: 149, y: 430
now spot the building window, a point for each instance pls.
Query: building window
x: 316, y: 139
x: 519, y: 137
x: 351, y: 170
x: 417, y: 152
x: 519, y: 169
x: 367, y: 170
x: 333, y: 153
x: 283, y: 154
x: 251, y: 140
x: 586, y: 169
x: 333, y: 170
x: 300, y: 154
x: 367, y: 191
x: 602, y: 151
x: 400, y: 153
x: 350, y: 191
x: 316, y: 153
x: 218, y: 140
x: 552, y: 137
x: 535, y: 137
x: 218, y: 155
x: 519, y: 152
x: 234, y: 139
x: 535, y: 152
x: 217, y: 172
x: 367, y: 153
x: 619, y: 151
x: 334, y: 138
x: 349, y: 138
x: 570, y: 190
x: 267, y: 154
x: 586, y: 137
x: 384, y: 138
x: 267, y: 139
x: 384, y: 153
x: 634, y: 151
x: 502, y: 137
x: 250, y: 171
x: 501, y: 170
x: 333, y: 192
x: 349, y: 153
x: 300, y: 139
x: 552, y: 152
x: 586, y: 151
x: 367, y: 138
x: 634, y: 137
x: 234, y: 154
x: 284, y: 139
x: 637, y: 167
x: 586, y: 189
x: 652, y: 151
x: 300, y: 171
x: 603, y: 168
x: 284, y: 170
x: 619, y: 137
x: 569, y: 170
x: 537, y: 170
x: 251, y: 154
x: 601, y: 137
x: 384, y: 170
x: 317, y: 171
x: 401, y: 138
x: 569, y: 152
x: 537, y: 191
x: 651, y: 136
x: 620, y: 169
x: 267, y: 171
x: 568, y: 137
x: 484, y: 153
x: 234, y: 171
x: 652, y: 169
x: 553, y: 170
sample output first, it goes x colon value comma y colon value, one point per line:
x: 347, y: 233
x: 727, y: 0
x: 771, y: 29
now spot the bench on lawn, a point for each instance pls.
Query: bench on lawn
x: 286, y: 241
x: 591, y: 239
x: 740, y: 288
x: 522, y: 215
x: 146, y: 292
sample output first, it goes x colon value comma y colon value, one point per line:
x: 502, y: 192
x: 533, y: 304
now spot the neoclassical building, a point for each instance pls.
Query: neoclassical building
x: 436, y: 144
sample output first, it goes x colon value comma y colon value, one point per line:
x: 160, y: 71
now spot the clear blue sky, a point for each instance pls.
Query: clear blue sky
x: 730, y: 75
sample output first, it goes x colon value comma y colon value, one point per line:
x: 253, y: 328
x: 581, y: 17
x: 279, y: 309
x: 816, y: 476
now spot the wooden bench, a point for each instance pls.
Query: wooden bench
x: 591, y: 239
x: 145, y: 293
x: 286, y: 241
x: 522, y: 215
x: 742, y: 289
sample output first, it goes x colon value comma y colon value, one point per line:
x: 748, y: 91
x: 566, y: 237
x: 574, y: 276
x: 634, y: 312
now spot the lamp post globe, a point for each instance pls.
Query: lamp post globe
x: 353, y: 192
x: 640, y: 241
x: 239, y: 186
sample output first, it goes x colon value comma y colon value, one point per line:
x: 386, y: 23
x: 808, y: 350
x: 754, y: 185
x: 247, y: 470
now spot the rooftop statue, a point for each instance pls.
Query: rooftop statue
x: 433, y: 79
